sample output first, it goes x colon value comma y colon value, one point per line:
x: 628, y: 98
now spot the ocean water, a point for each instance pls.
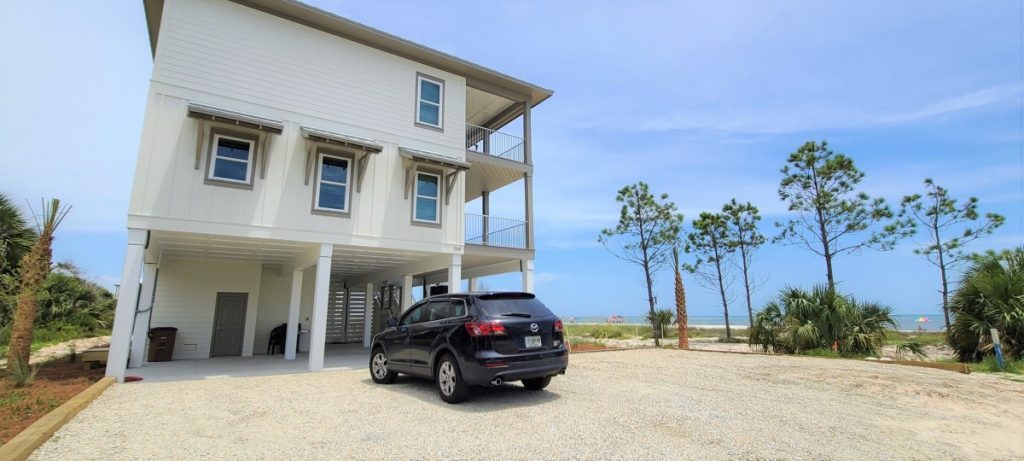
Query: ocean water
x: 905, y: 321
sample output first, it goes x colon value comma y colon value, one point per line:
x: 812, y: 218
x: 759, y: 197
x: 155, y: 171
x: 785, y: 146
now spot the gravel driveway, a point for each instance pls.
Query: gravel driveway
x: 626, y: 404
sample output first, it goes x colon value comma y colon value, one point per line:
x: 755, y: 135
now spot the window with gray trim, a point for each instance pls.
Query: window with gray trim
x: 231, y: 159
x: 427, y: 198
x: 429, y: 101
x: 334, y: 175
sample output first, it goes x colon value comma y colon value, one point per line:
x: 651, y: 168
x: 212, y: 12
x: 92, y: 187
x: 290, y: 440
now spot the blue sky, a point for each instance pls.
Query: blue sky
x: 703, y: 100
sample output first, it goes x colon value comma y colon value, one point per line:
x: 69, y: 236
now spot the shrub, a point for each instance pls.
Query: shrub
x: 910, y: 348
x: 22, y: 373
x: 606, y: 332
x: 991, y: 295
x: 799, y: 320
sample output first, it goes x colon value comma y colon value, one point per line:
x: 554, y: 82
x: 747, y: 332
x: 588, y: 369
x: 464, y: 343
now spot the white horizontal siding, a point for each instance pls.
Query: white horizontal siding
x: 186, y: 295
x: 231, y: 56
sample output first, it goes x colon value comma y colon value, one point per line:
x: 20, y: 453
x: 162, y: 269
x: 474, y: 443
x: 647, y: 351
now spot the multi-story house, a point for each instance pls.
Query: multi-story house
x: 300, y: 168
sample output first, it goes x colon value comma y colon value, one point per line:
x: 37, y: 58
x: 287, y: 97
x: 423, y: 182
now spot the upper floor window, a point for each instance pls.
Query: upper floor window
x: 427, y: 205
x: 429, y: 101
x: 334, y: 175
x: 231, y: 159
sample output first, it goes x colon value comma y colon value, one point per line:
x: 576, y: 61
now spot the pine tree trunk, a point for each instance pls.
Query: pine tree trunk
x: 35, y: 266
x: 650, y: 302
x: 681, y: 320
x: 746, y: 287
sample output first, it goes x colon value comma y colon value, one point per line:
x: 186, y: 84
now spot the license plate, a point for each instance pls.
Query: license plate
x: 532, y: 342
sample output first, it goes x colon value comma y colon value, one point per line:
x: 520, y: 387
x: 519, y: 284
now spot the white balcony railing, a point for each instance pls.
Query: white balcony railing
x: 489, y: 142
x: 495, y: 231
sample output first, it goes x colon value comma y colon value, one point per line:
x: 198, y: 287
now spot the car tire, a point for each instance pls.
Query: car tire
x: 448, y: 378
x: 536, y: 384
x: 379, y: 367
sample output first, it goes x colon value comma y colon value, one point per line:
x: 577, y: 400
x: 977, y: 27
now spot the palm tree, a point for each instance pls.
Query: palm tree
x: 35, y: 266
x: 681, y: 318
x: 799, y: 320
x: 16, y: 236
x: 661, y: 319
x: 990, y: 296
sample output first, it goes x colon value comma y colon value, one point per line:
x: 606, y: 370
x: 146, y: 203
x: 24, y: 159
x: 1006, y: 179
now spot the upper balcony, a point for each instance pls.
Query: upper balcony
x: 495, y: 143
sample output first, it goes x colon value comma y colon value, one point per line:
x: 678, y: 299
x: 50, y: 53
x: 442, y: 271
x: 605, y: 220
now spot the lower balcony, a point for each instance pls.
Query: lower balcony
x: 495, y: 231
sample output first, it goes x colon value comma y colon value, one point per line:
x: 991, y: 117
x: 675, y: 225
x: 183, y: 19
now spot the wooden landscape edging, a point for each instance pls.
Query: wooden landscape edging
x: 22, y: 445
x: 958, y: 367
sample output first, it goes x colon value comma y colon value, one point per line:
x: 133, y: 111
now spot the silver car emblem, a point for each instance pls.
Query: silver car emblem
x: 534, y: 327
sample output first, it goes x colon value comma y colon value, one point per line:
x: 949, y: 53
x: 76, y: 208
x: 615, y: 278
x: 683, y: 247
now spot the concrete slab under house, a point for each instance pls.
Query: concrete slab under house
x: 300, y: 178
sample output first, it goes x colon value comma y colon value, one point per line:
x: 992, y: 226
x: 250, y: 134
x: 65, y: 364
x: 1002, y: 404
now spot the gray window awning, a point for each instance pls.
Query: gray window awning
x: 204, y: 112
x: 330, y: 137
x: 452, y: 165
x: 431, y: 158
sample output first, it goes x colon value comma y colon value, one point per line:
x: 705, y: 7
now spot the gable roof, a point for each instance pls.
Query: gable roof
x: 476, y: 76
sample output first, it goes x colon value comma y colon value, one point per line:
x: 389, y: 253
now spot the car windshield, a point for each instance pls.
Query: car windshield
x: 512, y: 306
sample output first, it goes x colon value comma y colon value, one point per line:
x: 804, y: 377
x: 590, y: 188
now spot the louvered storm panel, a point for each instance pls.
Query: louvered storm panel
x: 336, y: 313
x: 356, y: 319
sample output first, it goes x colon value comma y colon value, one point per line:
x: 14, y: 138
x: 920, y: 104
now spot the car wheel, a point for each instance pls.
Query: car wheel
x: 536, y: 384
x: 450, y: 385
x: 379, y: 367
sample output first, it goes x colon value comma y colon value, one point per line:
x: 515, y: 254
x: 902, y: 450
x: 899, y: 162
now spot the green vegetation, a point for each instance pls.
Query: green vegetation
x: 647, y: 231
x: 798, y: 321
x: 989, y: 365
x: 948, y: 227
x: 42, y: 304
x: 22, y: 373
x: 634, y: 331
x: 990, y: 296
x: 709, y: 243
x: 53, y: 333
x: 927, y: 338
x: 910, y: 348
x: 746, y: 239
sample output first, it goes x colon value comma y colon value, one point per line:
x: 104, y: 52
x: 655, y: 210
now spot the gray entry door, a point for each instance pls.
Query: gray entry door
x: 229, y: 324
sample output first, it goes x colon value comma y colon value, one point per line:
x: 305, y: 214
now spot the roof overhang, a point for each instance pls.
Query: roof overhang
x: 234, y: 118
x: 476, y: 76
x: 431, y: 158
x: 330, y: 137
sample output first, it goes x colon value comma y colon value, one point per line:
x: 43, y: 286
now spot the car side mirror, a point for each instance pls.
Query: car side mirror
x: 392, y: 322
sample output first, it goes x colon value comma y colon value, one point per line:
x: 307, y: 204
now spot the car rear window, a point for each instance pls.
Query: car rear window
x: 498, y: 305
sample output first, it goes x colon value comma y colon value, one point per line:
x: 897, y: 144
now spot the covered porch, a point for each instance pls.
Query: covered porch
x: 233, y: 298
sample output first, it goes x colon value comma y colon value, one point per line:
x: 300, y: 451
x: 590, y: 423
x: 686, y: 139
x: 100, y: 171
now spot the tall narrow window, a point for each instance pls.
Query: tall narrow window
x: 429, y: 101
x: 231, y: 160
x: 427, y: 207
x: 332, y: 184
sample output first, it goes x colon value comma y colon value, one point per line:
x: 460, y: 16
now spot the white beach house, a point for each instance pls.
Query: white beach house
x: 300, y: 168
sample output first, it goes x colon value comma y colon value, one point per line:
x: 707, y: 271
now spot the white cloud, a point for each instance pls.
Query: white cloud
x: 811, y: 117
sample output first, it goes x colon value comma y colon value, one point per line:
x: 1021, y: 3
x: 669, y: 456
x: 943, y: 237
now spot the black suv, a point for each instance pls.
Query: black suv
x: 472, y: 339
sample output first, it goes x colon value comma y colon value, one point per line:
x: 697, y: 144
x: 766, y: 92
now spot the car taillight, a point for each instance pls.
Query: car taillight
x: 558, y: 325
x: 491, y: 328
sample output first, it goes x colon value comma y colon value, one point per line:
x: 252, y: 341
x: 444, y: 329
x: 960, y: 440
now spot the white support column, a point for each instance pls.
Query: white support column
x: 127, y: 302
x: 368, y: 326
x: 472, y: 284
x: 251, y: 312
x: 137, y: 355
x: 455, y: 274
x: 292, y: 332
x: 406, y: 292
x: 527, y: 265
x: 318, y: 329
